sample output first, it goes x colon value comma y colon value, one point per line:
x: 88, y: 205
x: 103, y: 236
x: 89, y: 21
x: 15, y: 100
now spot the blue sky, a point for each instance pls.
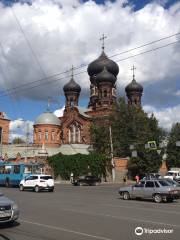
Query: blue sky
x: 41, y: 39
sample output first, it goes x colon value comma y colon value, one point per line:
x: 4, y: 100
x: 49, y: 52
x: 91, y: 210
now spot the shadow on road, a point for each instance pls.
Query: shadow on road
x: 8, y: 225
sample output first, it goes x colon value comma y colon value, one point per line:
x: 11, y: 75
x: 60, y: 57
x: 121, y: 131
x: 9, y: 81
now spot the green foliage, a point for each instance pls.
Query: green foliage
x: 17, y: 140
x: 130, y: 126
x: 100, y: 138
x: 79, y: 164
x: 173, y: 151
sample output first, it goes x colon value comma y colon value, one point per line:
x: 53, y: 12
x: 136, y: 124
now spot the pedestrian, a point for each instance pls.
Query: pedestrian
x: 137, y: 178
x: 71, y: 177
x: 124, y: 179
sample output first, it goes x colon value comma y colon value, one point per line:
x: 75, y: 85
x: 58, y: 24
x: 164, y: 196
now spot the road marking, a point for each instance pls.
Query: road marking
x: 65, y: 230
x: 121, y: 218
x: 139, y: 208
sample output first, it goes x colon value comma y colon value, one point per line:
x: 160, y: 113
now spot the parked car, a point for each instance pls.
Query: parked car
x: 155, y: 189
x: 173, y: 174
x: 173, y: 182
x: 37, y: 182
x: 9, y: 211
x: 150, y: 176
x: 86, y: 180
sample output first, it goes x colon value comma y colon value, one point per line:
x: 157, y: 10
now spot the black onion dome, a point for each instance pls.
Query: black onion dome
x: 72, y: 86
x: 103, y: 61
x: 134, y: 86
x: 105, y: 76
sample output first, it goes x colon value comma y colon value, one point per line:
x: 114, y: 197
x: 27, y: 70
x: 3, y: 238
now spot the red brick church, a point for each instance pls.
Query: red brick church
x: 74, y: 126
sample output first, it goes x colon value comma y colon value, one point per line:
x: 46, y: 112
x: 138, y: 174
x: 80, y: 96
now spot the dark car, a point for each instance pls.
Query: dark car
x: 86, y: 180
x: 9, y: 211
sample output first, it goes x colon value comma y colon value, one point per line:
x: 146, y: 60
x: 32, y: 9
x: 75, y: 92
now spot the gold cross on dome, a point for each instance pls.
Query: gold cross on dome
x: 48, y: 104
x: 133, y: 69
x: 102, y: 39
x: 72, y: 71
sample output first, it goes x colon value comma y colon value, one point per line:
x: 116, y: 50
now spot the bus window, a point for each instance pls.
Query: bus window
x: 28, y: 169
x: 8, y: 169
x: 16, y: 169
x: 2, y: 169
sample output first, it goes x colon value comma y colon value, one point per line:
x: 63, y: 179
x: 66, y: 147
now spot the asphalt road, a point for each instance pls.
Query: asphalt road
x: 85, y: 213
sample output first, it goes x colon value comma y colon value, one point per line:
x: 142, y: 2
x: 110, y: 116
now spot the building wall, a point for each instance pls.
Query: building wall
x: 4, y: 124
x: 40, y: 135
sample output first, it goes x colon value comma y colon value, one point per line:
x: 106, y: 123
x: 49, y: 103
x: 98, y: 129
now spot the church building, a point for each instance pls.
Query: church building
x: 74, y: 126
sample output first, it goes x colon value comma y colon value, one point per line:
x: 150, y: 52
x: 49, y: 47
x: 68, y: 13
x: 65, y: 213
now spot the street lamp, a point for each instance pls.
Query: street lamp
x: 112, y: 156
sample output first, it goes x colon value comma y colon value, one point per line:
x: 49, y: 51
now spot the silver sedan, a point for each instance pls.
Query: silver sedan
x: 157, y: 190
x: 9, y: 211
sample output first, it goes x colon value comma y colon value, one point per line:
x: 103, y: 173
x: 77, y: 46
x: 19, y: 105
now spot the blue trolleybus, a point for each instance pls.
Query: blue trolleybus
x: 12, y: 173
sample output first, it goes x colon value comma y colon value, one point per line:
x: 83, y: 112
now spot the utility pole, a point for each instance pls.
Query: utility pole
x: 112, y: 157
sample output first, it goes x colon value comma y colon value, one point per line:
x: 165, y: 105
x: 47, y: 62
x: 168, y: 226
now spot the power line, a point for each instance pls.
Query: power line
x: 27, y: 41
x: 82, y: 66
x: 56, y: 80
x: 146, y: 44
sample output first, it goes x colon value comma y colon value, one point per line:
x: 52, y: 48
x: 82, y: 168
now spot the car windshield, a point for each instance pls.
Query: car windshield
x: 46, y: 177
x: 173, y: 182
x: 164, y: 183
x: 170, y: 174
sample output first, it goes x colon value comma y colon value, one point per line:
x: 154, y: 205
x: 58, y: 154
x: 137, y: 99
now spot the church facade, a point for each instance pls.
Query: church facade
x: 74, y: 126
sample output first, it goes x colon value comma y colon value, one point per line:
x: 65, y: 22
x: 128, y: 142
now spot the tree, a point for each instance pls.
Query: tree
x: 173, y: 151
x: 80, y: 164
x: 130, y: 126
x: 18, y: 140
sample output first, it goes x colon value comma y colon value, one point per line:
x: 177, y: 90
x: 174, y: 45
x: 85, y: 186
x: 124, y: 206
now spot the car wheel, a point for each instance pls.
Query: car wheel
x: 126, y: 196
x: 21, y: 187
x: 36, y: 189
x: 157, y: 198
x: 51, y: 190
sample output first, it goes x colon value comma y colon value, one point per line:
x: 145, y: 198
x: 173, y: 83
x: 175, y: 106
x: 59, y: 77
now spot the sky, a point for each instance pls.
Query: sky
x: 42, y: 39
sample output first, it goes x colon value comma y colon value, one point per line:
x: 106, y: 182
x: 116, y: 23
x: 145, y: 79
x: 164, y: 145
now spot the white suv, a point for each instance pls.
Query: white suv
x: 37, y: 182
x: 173, y: 175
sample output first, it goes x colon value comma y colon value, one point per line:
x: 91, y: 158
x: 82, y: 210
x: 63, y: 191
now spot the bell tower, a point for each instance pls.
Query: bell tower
x: 134, y: 91
x: 72, y: 91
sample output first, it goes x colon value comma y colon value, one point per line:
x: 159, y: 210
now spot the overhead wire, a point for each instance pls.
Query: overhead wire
x: 85, y: 65
x: 56, y: 80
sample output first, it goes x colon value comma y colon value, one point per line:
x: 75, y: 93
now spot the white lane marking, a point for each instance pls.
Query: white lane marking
x: 65, y: 230
x: 139, y: 208
x: 121, y: 218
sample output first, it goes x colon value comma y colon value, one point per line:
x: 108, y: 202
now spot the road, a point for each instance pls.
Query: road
x: 87, y: 213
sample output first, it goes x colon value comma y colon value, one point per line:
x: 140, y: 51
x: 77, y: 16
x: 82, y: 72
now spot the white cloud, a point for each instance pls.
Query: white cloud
x: 59, y: 112
x: 165, y: 116
x: 66, y: 32
x: 22, y: 129
x: 177, y: 93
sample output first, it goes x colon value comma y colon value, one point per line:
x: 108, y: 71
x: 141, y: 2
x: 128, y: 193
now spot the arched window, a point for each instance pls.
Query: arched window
x: 46, y: 135
x: 39, y: 136
x: 52, y: 135
x: 105, y: 93
x: 75, y: 133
